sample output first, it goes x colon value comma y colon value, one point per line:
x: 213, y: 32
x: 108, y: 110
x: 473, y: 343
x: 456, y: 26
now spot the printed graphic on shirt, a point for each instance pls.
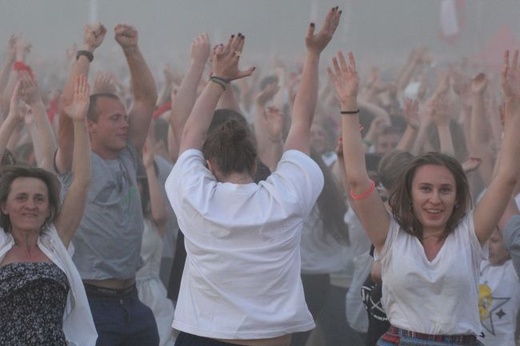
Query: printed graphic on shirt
x: 371, y: 294
x: 490, y: 308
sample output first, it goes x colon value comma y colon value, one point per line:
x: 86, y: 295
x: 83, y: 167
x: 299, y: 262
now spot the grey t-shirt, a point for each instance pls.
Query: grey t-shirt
x: 108, y: 241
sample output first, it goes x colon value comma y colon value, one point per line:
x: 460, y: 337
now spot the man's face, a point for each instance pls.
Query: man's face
x: 109, y: 133
x: 386, y: 143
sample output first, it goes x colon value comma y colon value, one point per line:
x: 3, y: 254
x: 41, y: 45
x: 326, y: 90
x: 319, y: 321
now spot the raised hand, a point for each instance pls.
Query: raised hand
x: 460, y: 83
x: 471, y: 164
x: 30, y: 90
x: 104, y: 83
x: 267, y: 93
x: 317, y: 42
x: 200, y: 49
x: 22, y: 47
x: 93, y: 36
x: 344, y: 76
x: 511, y: 76
x: 411, y: 113
x: 442, y: 107
x: 15, y: 111
x: 479, y: 84
x: 77, y: 110
x: 126, y: 35
x: 226, y: 58
x: 11, y: 48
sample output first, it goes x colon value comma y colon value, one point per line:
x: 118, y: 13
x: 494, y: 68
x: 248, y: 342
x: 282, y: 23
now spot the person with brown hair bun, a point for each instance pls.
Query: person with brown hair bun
x: 42, y: 299
x: 241, y: 282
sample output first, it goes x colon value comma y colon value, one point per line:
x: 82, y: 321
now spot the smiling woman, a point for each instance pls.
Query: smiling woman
x: 431, y: 243
x: 40, y: 288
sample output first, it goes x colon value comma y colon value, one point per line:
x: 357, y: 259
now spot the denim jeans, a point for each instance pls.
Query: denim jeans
x: 121, y: 318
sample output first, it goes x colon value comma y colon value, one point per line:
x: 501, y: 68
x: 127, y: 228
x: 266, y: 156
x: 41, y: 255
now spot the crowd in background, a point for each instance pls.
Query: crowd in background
x: 457, y: 108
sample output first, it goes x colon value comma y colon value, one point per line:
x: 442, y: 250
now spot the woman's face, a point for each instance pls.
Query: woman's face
x: 433, y: 196
x: 27, y: 204
x: 318, y: 139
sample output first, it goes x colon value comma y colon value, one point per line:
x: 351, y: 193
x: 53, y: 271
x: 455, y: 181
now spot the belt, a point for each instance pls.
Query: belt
x: 457, y: 339
x: 110, y: 292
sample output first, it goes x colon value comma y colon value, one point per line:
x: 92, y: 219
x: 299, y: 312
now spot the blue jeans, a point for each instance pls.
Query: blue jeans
x: 121, y: 318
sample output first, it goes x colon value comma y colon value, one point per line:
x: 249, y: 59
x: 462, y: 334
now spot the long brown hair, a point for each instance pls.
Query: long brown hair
x: 401, y: 202
x: 331, y: 204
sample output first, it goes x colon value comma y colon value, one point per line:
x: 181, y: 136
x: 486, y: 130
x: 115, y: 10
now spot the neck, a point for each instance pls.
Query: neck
x: 104, y: 154
x: 433, y: 236
x: 26, y: 239
x: 237, y: 178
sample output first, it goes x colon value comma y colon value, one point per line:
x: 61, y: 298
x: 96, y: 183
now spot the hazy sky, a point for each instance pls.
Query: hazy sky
x: 378, y: 30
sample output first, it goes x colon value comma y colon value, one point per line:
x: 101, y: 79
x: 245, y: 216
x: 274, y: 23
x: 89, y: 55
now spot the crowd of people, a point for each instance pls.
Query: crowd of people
x: 269, y: 205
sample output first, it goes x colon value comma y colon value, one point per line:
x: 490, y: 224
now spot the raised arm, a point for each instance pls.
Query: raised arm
x: 21, y: 49
x: 42, y: 134
x: 366, y: 202
x: 93, y: 36
x: 305, y: 101
x: 442, y: 108
x: 74, y: 203
x: 479, y: 135
x: 104, y: 83
x: 157, y: 200
x: 492, y: 205
x: 5, y: 72
x: 225, y: 69
x: 14, y: 117
x: 411, y: 115
x: 187, y: 92
x: 268, y: 125
x: 143, y: 85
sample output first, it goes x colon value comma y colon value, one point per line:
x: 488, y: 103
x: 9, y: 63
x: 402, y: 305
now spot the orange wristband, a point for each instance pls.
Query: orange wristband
x: 364, y: 194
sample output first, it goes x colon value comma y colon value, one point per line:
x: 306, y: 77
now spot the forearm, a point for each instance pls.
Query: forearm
x: 407, y: 140
x: 479, y: 130
x: 270, y: 150
x: 164, y: 94
x: 200, y: 118
x: 143, y: 83
x: 228, y: 100
x: 445, y: 140
x: 7, y: 92
x: 66, y: 127
x: 81, y: 162
x: 5, y: 73
x: 304, y: 106
x: 43, y: 137
x: 7, y: 128
x: 353, y: 148
x: 185, y: 99
x: 157, y: 202
x: 422, y: 136
x: 270, y: 153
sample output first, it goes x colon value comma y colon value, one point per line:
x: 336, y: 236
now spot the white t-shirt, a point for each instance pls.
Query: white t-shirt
x: 242, y: 274
x: 432, y: 297
x: 321, y: 252
x: 499, y: 303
